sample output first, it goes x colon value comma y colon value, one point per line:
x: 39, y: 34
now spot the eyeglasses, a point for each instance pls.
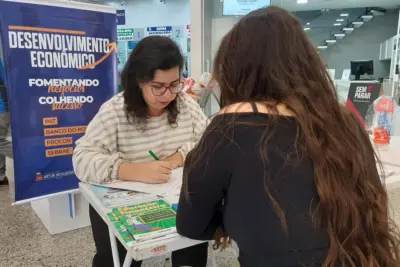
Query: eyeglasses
x: 159, y: 90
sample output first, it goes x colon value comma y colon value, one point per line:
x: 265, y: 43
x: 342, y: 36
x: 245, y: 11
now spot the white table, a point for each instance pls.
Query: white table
x: 137, y: 251
x: 392, y: 182
x: 390, y: 154
x: 390, y: 157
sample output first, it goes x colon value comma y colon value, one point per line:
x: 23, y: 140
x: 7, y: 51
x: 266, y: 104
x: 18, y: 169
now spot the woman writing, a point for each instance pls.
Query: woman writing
x: 151, y: 114
x: 294, y: 169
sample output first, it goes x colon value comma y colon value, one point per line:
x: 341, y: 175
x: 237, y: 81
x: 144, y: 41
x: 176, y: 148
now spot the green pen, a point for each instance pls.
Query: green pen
x: 156, y: 158
x: 153, y: 155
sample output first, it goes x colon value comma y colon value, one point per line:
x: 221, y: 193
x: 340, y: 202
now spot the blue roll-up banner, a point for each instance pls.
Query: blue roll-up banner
x: 60, y: 61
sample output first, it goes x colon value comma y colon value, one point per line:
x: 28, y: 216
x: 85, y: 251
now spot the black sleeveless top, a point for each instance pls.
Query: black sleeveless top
x: 236, y: 176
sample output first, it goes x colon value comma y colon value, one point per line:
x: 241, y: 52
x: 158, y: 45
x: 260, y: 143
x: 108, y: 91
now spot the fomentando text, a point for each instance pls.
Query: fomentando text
x: 64, y: 87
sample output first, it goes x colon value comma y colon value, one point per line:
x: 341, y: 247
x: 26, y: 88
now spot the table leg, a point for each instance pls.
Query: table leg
x: 114, y: 248
x: 212, y: 256
x: 128, y: 259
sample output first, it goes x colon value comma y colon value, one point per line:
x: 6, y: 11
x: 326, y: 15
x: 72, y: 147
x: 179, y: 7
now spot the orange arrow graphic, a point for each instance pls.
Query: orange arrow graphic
x: 112, y: 46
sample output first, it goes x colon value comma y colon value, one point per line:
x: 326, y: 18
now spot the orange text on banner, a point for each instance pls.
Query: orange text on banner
x: 113, y: 47
x: 57, y: 152
x: 58, y: 141
x: 64, y: 130
x: 50, y: 121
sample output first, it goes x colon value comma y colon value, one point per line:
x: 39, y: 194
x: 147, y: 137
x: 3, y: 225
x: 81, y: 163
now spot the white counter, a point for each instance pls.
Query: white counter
x: 390, y: 157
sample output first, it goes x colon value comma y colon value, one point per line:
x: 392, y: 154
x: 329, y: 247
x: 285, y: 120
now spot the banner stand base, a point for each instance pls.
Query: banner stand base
x: 60, y: 213
x: 55, y: 213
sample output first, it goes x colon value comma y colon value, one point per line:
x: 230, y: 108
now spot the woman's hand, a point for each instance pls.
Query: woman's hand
x: 175, y: 159
x: 156, y: 172
x: 194, y: 91
x: 194, y: 95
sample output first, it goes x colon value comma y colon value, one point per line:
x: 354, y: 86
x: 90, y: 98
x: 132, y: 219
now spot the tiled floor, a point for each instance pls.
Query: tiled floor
x: 24, y: 241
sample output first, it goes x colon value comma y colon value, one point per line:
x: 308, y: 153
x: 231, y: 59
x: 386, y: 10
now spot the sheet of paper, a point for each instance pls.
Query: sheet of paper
x: 173, y: 187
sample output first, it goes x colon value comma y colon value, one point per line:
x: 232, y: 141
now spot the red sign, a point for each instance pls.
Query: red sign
x: 188, y: 30
x: 384, y: 104
x: 159, y: 250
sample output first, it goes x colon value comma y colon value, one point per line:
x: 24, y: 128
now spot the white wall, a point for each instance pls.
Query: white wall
x: 220, y: 27
x: 196, y: 36
x: 147, y: 13
x: 215, y: 27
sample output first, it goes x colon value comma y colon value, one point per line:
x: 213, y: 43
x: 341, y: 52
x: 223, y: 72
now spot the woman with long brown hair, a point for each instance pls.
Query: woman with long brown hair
x: 284, y: 169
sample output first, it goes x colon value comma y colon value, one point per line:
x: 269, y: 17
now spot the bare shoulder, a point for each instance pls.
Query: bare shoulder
x: 241, y: 107
x: 246, y: 107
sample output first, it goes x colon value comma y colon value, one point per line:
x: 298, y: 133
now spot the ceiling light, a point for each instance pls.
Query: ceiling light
x: 302, y: 1
x: 337, y: 24
x: 358, y: 24
x: 308, y: 23
x: 322, y: 47
x: 344, y: 15
x: 330, y: 42
x: 339, y: 35
x: 367, y: 17
x: 307, y: 29
x: 377, y: 13
x: 348, y: 30
x: 340, y: 20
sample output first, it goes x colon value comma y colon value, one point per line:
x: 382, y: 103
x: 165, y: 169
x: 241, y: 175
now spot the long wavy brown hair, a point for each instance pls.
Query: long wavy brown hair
x: 267, y: 58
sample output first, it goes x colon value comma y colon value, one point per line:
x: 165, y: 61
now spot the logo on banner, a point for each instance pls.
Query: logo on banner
x: 360, y: 98
x: 363, y: 92
x: 55, y: 175
x: 39, y: 176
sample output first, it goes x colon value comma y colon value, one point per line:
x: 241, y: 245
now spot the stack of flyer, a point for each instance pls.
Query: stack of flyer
x: 145, y: 221
x: 126, y: 236
x: 114, y: 197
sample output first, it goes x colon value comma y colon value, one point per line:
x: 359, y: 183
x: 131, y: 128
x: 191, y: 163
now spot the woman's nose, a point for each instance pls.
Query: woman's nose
x: 167, y: 94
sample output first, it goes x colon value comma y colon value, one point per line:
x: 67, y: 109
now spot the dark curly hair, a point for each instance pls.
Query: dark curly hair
x: 151, y: 54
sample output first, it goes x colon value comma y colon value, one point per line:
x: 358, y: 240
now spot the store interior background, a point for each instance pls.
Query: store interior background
x: 25, y: 241
x: 319, y: 18
x: 317, y: 15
